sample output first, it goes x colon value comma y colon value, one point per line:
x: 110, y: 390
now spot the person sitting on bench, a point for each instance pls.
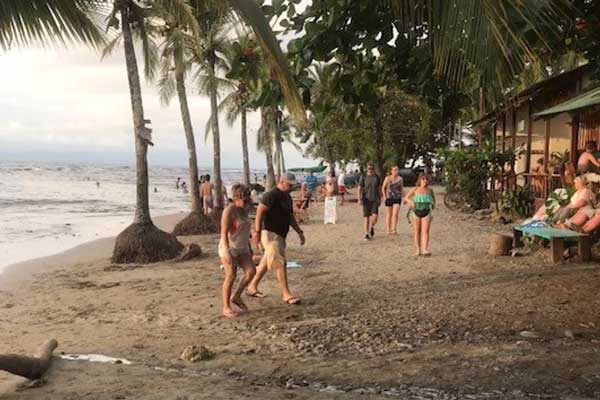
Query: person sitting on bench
x: 581, y: 198
x: 587, y: 161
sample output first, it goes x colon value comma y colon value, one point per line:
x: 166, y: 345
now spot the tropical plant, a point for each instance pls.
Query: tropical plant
x: 177, y: 49
x: 467, y: 171
x: 517, y: 202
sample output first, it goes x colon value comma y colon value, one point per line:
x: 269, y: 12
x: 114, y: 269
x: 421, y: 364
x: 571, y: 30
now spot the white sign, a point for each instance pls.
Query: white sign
x: 330, y: 210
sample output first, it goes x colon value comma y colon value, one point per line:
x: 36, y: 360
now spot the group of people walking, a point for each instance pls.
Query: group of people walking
x: 372, y: 191
x: 275, y: 217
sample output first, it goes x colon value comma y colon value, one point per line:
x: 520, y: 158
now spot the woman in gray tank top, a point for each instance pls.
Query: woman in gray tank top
x: 234, y: 248
x: 391, y: 192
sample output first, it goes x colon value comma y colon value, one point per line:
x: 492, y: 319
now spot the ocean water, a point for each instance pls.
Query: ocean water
x: 46, y: 208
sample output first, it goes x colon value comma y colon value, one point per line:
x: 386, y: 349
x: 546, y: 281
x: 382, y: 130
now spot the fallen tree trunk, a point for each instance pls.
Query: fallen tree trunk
x: 31, y: 368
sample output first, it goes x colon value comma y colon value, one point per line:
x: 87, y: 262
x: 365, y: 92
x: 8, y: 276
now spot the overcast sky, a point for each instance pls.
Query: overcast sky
x: 67, y: 105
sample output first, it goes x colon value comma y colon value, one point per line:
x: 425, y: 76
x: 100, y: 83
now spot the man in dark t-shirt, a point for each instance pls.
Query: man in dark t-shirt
x: 274, y: 217
x: 369, y: 197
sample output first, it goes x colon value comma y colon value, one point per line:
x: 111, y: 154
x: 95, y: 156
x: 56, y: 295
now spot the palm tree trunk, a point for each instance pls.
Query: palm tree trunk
x: 282, y: 159
x: 142, y: 204
x: 215, y: 134
x: 267, y: 123
x: 246, y: 176
x: 379, y: 167
x: 191, y: 142
x: 277, y: 160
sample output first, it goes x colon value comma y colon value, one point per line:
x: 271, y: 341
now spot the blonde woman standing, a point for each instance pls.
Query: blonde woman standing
x: 421, y: 202
x: 391, y: 193
x: 234, y: 248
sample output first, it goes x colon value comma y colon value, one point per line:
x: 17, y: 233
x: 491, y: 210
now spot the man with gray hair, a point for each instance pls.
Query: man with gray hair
x: 274, y: 216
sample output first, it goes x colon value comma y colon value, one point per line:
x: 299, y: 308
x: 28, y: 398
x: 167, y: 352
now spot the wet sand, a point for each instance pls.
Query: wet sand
x: 376, y: 322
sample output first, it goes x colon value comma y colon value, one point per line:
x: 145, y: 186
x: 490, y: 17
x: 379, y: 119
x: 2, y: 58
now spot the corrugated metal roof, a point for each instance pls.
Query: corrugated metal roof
x: 587, y: 99
x: 533, y: 91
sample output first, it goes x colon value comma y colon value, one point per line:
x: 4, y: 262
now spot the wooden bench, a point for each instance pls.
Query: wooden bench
x: 557, y: 238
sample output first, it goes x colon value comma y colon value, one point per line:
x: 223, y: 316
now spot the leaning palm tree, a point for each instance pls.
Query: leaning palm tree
x: 177, y: 50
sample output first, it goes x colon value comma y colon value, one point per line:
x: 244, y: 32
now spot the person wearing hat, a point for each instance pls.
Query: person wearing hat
x: 274, y: 217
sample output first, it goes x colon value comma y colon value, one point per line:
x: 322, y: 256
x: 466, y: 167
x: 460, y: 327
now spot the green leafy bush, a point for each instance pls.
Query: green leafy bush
x: 467, y: 171
x: 517, y: 202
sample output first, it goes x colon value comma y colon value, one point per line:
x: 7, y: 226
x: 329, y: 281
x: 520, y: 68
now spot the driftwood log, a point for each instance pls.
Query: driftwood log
x: 31, y: 368
x: 500, y: 244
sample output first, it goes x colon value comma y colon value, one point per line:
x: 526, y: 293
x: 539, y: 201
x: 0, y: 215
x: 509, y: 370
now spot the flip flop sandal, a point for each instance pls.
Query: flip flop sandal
x: 292, y: 301
x: 241, y: 305
x: 258, y: 294
x: 230, y: 315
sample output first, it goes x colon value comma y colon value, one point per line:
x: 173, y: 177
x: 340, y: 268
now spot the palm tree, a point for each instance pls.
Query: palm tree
x: 212, y: 18
x: 142, y: 241
x: 177, y: 49
x: 245, y: 62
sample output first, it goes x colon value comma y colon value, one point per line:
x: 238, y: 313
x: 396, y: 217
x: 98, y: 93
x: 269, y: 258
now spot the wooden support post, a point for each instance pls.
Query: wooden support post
x: 574, y: 138
x: 504, y: 131
x: 547, y: 157
x: 547, y: 143
x: 558, y: 247
x: 513, y: 141
x: 584, y: 246
x: 31, y: 368
x: 529, y: 137
x: 495, y: 134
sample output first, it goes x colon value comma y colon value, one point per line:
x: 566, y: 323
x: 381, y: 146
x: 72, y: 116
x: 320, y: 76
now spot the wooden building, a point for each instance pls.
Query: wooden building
x: 556, y: 115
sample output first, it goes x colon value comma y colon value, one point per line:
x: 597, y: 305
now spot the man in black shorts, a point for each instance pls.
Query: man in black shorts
x: 369, y: 197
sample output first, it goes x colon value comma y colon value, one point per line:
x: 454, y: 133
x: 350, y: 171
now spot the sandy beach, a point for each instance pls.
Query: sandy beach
x: 375, y: 322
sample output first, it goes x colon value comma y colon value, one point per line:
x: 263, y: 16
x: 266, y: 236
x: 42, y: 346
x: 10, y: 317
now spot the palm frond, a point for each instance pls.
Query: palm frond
x: 254, y: 17
x: 494, y: 36
x: 48, y: 22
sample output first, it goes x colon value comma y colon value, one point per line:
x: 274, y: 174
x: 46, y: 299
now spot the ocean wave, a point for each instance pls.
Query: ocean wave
x: 4, y: 203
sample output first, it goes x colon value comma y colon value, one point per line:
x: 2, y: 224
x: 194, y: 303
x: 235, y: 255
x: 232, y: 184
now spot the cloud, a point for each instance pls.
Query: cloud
x: 67, y: 105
